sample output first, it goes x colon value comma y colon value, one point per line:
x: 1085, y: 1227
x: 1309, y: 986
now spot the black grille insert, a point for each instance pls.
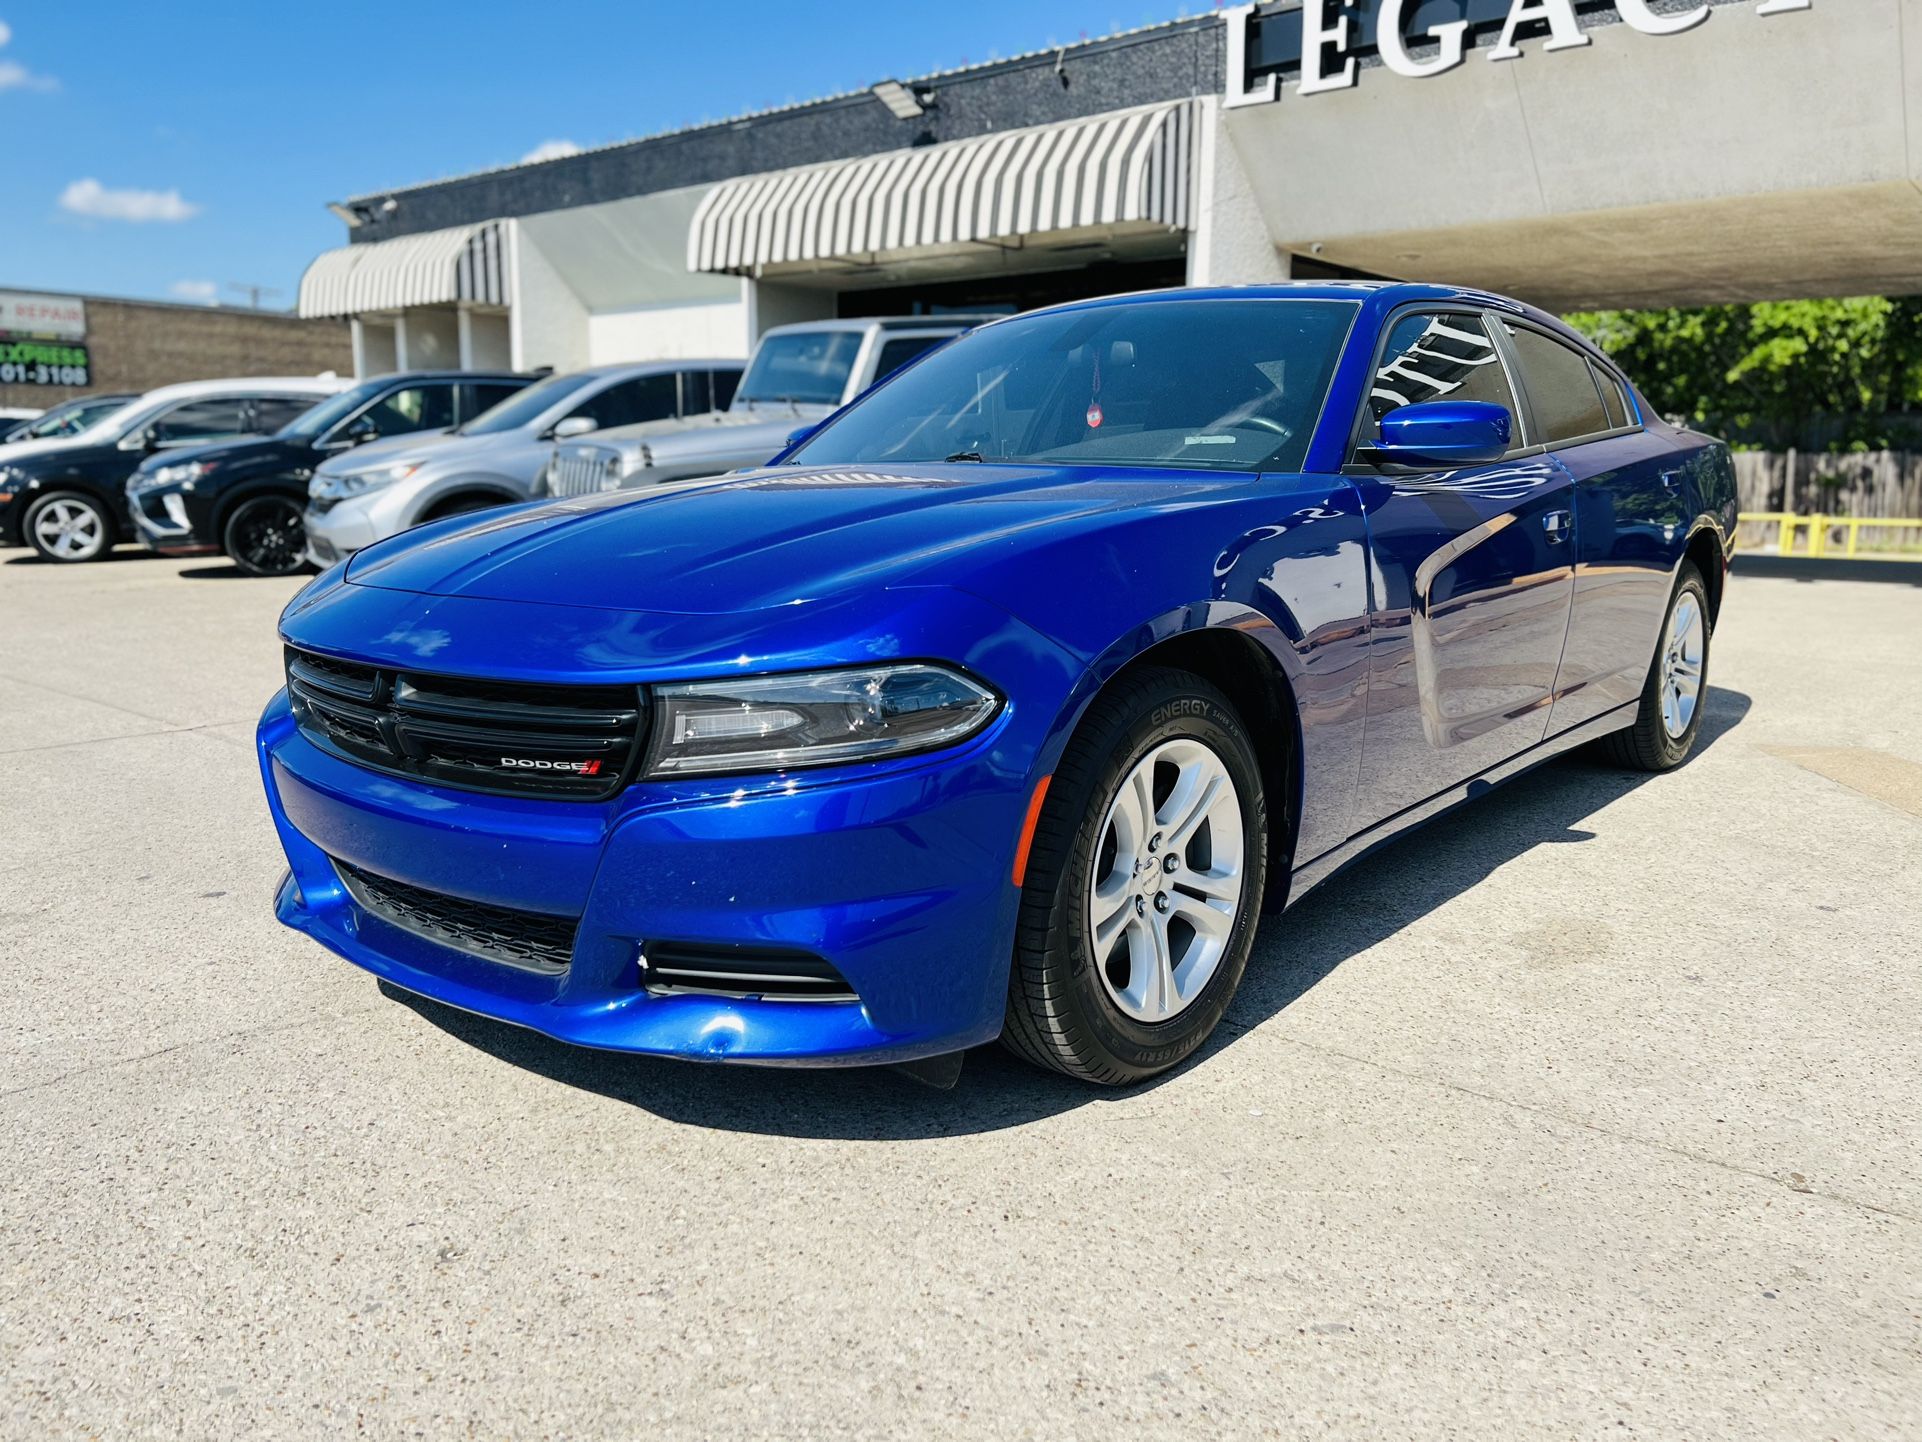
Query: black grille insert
x: 581, y: 742
x: 532, y: 940
x: 668, y: 967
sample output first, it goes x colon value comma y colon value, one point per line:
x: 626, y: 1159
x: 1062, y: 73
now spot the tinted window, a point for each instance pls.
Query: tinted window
x: 321, y: 416
x: 697, y: 396
x: 484, y: 395
x: 269, y: 413
x: 1195, y: 384
x: 1561, y: 388
x: 811, y: 366
x: 208, y: 420
x: 645, y: 398
x: 1449, y: 357
x: 410, y: 409
x: 898, y: 352
x: 725, y: 384
x: 1614, y: 398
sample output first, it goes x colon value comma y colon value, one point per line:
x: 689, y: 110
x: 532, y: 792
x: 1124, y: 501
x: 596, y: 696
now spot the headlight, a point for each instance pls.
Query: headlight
x: 354, y: 483
x: 813, y: 718
x: 177, y: 474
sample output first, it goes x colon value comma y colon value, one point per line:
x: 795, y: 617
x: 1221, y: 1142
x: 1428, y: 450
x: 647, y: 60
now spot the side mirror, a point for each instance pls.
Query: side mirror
x: 1445, y: 433
x: 574, y: 426
x: 361, y: 431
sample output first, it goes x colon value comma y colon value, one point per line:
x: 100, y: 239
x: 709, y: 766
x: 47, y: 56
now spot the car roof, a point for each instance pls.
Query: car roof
x: 249, y: 385
x: 452, y: 375
x: 653, y: 367
x: 954, y: 321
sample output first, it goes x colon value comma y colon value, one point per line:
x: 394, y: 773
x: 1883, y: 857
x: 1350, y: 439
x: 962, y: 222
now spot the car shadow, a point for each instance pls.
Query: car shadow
x: 31, y: 557
x: 231, y: 572
x: 1369, y: 902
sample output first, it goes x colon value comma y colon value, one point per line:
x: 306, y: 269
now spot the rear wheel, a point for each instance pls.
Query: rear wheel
x: 266, y: 536
x: 1670, y: 715
x: 1144, y: 882
x: 67, y: 527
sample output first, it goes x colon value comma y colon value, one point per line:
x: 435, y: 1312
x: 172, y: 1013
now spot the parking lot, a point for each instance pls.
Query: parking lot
x: 1590, y: 1111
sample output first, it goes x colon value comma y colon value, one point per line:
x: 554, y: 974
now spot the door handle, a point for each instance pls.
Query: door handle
x: 1558, y: 525
x: 1672, y: 479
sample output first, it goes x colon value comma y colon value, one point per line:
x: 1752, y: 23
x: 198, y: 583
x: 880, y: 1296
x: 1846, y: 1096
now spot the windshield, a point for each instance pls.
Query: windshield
x: 808, y: 367
x: 335, y: 408
x: 1207, y: 384
x: 525, y: 407
x: 67, y: 419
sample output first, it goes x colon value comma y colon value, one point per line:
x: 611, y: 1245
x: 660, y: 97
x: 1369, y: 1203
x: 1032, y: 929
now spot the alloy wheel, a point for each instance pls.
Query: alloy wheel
x: 69, y: 530
x: 1167, y: 880
x: 1682, y: 656
x: 268, y: 536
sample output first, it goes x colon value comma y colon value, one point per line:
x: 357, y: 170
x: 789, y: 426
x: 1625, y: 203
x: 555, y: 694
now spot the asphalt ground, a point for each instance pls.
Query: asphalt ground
x: 1594, y: 1110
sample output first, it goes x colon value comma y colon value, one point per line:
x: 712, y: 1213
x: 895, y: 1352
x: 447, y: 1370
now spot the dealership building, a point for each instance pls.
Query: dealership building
x: 1572, y: 152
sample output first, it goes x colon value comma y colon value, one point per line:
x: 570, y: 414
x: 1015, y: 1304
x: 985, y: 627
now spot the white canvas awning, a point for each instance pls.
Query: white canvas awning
x: 1127, y: 169
x: 462, y: 263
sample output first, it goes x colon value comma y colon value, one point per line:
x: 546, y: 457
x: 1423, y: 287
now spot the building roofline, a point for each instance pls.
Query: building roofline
x: 1047, y: 54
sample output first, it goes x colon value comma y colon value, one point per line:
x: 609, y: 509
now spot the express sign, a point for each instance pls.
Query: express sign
x: 1319, y: 44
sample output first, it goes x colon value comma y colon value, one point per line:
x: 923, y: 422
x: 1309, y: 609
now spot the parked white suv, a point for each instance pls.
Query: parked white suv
x: 798, y: 377
x: 382, y: 488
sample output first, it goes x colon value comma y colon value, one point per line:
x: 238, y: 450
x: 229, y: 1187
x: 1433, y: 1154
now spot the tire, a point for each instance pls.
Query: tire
x: 1103, y: 1018
x: 1668, y: 719
x: 68, y: 527
x: 266, y: 536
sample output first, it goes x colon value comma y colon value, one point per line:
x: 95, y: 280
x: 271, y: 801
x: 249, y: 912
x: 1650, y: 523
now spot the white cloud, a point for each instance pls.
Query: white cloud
x: 550, y: 150
x: 90, y: 198
x: 15, y: 76
x: 205, y: 292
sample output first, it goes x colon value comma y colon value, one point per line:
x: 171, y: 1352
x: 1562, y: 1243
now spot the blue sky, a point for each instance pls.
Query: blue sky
x: 166, y: 150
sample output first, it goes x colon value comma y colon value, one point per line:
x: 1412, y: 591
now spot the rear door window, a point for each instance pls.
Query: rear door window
x: 1614, y: 398
x: 208, y: 420
x: 644, y: 398
x: 1562, y: 393
x: 267, y: 414
x: 1438, y: 356
x: 697, y: 393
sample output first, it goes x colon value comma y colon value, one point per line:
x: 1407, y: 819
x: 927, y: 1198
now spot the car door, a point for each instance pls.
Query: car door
x: 1630, y: 520
x: 1472, y: 575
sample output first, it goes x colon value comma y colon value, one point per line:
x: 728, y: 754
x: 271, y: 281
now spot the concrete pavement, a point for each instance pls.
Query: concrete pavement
x: 1591, y: 1111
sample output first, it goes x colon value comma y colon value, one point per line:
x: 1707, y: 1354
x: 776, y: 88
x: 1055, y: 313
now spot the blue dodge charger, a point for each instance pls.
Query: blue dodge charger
x: 1006, y: 701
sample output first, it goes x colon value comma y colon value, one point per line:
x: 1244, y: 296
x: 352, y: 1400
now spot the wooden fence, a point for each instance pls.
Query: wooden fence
x: 1868, y: 483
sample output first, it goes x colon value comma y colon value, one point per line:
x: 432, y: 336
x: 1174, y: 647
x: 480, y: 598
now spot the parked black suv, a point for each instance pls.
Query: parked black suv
x: 246, y: 497
x: 67, y: 497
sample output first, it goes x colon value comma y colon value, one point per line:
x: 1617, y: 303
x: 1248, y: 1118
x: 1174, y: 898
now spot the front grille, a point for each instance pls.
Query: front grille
x: 577, y: 742
x: 532, y: 940
x: 670, y: 967
x: 584, y: 471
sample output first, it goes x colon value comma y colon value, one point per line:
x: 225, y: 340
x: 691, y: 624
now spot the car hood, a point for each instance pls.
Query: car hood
x: 27, y: 450
x: 765, y: 539
x: 399, y: 450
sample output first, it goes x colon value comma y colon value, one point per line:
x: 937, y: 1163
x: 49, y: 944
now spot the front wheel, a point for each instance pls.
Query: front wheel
x: 266, y: 536
x: 67, y: 528
x: 1670, y: 715
x: 1144, y: 881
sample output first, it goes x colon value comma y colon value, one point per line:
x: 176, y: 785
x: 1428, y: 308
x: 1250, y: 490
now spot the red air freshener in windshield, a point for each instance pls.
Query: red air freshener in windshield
x: 1094, y: 398
x: 1094, y: 416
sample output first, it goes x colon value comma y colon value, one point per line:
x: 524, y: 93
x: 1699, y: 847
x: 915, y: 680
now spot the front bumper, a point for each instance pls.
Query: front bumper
x: 168, y: 529
x: 342, y: 529
x: 898, y: 875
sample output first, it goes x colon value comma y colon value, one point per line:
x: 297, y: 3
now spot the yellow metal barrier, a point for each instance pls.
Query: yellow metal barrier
x: 1819, y: 527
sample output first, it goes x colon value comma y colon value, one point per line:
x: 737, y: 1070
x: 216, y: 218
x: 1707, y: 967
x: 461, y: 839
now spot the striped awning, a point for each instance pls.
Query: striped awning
x: 1129, y: 168
x: 462, y: 263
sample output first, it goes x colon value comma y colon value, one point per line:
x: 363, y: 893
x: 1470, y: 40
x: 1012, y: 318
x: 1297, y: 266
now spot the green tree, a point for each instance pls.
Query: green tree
x: 1814, y: 374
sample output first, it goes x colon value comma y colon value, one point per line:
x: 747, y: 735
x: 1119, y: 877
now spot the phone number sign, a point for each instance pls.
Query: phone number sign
x: 44, y: 363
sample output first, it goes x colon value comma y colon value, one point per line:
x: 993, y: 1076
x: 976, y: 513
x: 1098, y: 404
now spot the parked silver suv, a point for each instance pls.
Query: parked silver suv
x: 495, y: 459
x: 798, y: 377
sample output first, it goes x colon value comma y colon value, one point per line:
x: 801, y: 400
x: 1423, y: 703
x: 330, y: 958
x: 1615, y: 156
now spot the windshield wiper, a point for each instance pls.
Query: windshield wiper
x: 964, y: 456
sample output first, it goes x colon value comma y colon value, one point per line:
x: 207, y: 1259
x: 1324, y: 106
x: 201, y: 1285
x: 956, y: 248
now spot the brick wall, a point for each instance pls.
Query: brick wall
x: 137, y: 345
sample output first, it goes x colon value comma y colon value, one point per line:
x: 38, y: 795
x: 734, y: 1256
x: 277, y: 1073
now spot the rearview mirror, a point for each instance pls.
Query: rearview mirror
x: 573, y: 426
x: 1445, y: 433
